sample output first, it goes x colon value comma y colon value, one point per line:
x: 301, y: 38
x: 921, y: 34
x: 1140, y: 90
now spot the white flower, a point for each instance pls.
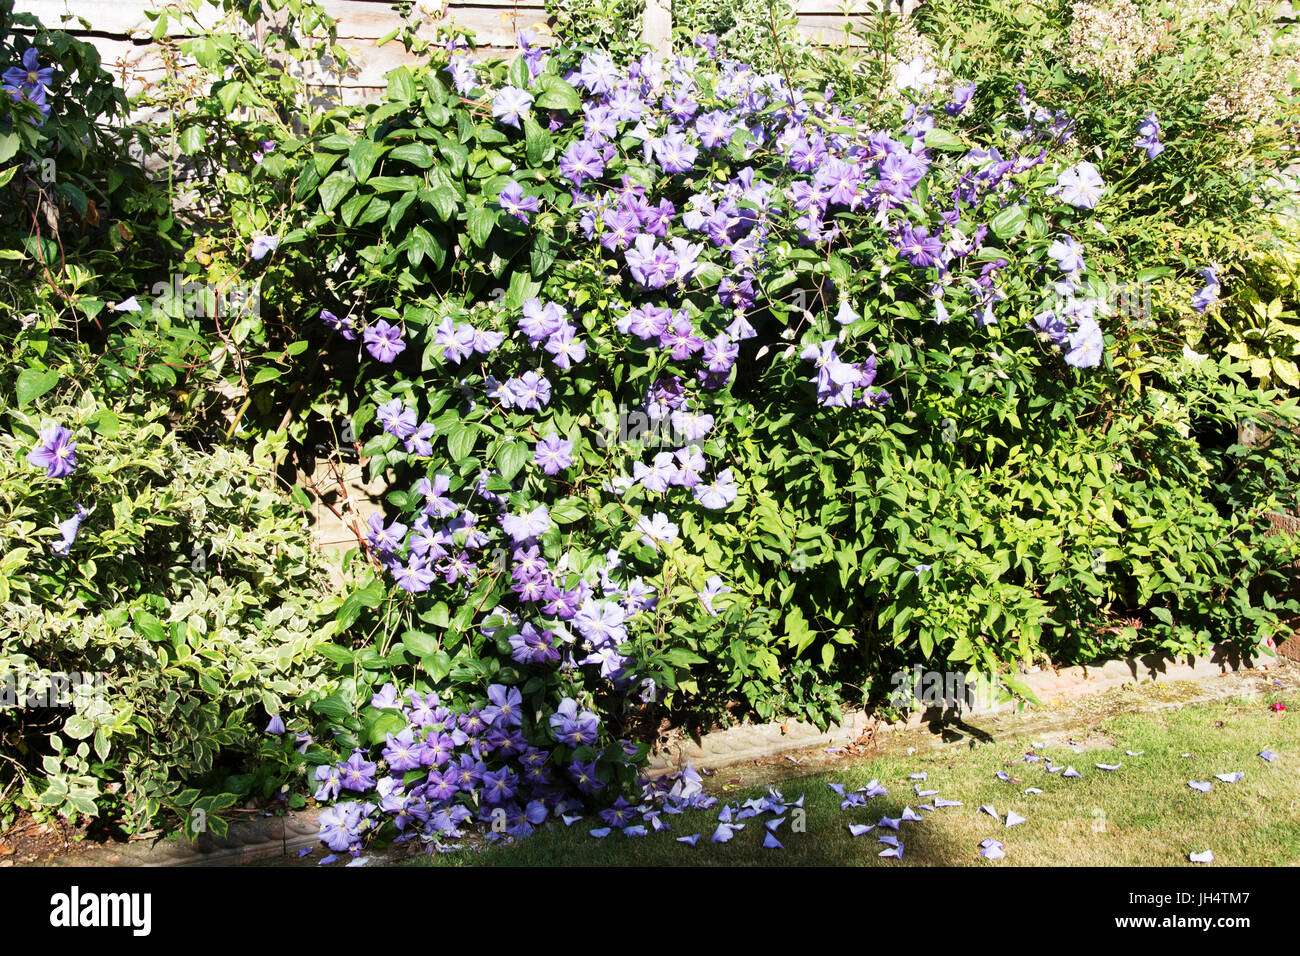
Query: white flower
x: 914, y: 75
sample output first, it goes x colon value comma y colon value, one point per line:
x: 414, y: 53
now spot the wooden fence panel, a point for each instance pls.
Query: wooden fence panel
x: 121, y: 30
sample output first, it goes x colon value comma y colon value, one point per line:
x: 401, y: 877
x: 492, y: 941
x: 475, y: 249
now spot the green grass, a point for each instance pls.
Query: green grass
x: 1143, y: 814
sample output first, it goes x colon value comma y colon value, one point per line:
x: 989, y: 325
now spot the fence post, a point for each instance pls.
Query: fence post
x: 657, y: 26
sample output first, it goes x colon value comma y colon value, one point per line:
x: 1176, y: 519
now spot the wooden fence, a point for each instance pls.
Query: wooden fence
x: 122, y: 32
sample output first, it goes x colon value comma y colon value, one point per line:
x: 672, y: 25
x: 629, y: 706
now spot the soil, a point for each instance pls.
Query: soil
x: 30, y: 842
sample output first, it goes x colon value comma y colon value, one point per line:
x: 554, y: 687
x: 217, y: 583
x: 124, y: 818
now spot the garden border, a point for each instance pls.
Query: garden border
x: 284, y: 836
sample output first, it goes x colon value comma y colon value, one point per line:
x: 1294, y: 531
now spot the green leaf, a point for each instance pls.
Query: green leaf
x: 518, y: 74
x: 1008, y: 222
x: 681, y: 657
x: 539, y: 145
x: 420, y: 643
x: 362, y: 158
x: 33, y: 383
x: 78, y: 727
x: 337, y: 185
x: 401, y: 87
x: 556, y: 94
x: 480, y: 224
x: 1286, y: 370
x: 567, y: 510
x: 417, y: 154
x: 192, y: 139
x: 389, y: 184
x: 942, y: 139
x: 444, y: 201
x: 75, y: 196
x: 512, y: 457
x: 332, y: 706
x: 150, y: 627
x: 378, y: 727
x: 461, y: 442
x: 421, y: 244
x: 437, y: 664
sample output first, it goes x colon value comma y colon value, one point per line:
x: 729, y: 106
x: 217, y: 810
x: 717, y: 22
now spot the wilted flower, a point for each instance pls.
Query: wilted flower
x: 262, y: 245
x: 1209, y: 294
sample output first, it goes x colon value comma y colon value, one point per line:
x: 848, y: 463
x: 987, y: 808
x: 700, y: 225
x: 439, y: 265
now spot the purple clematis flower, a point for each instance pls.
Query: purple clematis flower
x: 56, y: 452
x: 553, y: 454
x: 530, y: 524
x: 1086, y: 345
x: 1080, y: 185
x: 30, y: 75
x: 384, y: 341
x: 511, y: 105
x: 343, y: 326
x: 580, y: 162
x: 513, y: 201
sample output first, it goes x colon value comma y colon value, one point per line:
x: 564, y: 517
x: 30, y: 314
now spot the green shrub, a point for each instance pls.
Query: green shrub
x: 1221, y: 79
x: 190, y: 590
x: 1005, y: 507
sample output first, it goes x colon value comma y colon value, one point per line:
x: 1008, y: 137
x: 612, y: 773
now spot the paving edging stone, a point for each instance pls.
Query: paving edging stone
x: 247, y: 841
x: 283, y: 836
x: 749, y: 742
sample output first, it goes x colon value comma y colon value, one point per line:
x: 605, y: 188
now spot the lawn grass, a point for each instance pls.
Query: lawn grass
x: 1142, y: 814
